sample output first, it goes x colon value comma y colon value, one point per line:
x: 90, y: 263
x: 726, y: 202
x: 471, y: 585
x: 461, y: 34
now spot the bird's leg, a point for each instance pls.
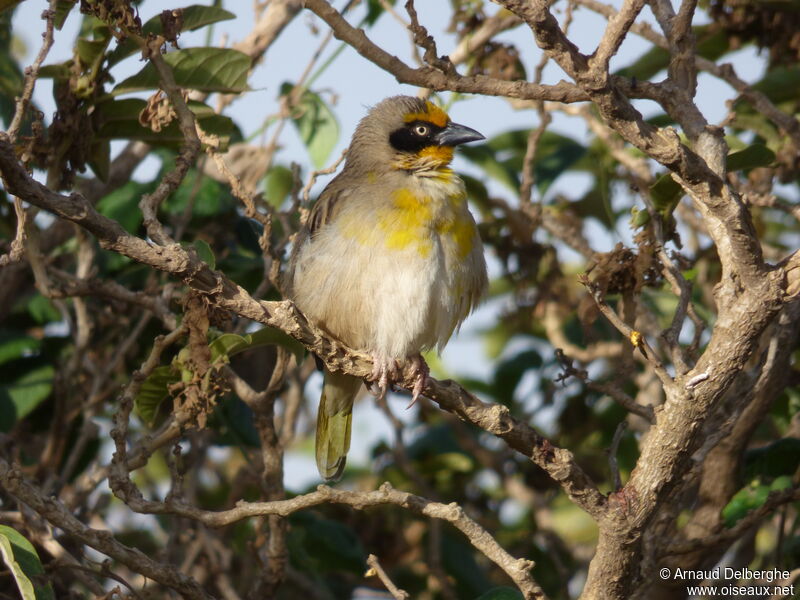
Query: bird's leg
x: 384, y: 372
x: 421, y: 371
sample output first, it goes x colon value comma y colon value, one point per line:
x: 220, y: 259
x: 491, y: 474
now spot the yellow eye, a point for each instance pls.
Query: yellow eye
x: 421, y: 130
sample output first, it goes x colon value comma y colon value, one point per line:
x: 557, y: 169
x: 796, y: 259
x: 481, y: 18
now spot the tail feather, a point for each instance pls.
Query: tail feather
x: 334, y: 419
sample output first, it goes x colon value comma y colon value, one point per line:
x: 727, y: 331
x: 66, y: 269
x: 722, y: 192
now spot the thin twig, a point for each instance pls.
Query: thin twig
x: 425, y: 41
x: 517, y: 569
x: 610, y: 389
x: 635, y: 337
x: 312, y: 178
x: 616, y: 30
x: 16, y: 251
x: 726, y: 72
x: 224, y: 294
x: 101, y: 540
x: 375, y: 568
x: 32, y: 72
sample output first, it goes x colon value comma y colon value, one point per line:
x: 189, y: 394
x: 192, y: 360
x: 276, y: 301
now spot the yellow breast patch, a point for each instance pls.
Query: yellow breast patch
x: 411, y: 221
x: 404, y: 223
x: 463, y: 232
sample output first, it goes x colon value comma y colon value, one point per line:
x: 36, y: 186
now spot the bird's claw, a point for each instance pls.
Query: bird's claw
x: 421, y: 371
x: 384, y: 371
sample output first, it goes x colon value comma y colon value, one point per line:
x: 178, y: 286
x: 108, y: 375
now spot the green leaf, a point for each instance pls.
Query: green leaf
x: 501, y: 593
x: 712, y: 44
x: 205, y: 69
x: 780, y: 84
x: 230, y: 344
x: 100, y: 158
x: 510, y: 372
x: 639, y: 218
x: 657, y: 59
x: 15, y: 345
x: 23, y: 561
x: 476, y: 192
x: 515, y: 141
x: 56, y: 71
x: 154, y: 390
x: 374, y: 11
x: 236, y: 424
x: 758, y: 124
x: 205, y: 253
x: 279, y: 182
x: 774, y: 460
x: 209, y: 198
x: 434, y: 440
x: 452, y: 462
x: 755, y: 155
x: 42, y: 310
x: 24, y: 584
x: 750, y: 498
x: 122, y: 205
x: 197, y: 16
x: 666, y: 193
x: 593, y: 204
x: 502, y: 157
x: 267, y: 336
x: 326, y: 545
x: 119, y: 119
x: 484, y: 157
x: 555, y: 155
x: 63, y: 7
x: 647, y: 65
x: 316, y: 124
x: 458, y: 558
x: 10, y: 73
x: 89, y: 51
x: 194, y: 17
x: 29, y: 390
x: 6, y: 4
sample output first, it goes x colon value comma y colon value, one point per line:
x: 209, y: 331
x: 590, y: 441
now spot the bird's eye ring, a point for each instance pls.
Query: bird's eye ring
x: 421, y: 130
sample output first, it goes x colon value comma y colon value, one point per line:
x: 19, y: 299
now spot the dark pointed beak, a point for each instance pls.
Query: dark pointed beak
x: 455, y: 134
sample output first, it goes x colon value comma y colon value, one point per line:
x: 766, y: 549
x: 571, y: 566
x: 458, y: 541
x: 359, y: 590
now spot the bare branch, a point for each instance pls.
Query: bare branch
x: 218, y: 289
x: 101, y: 540
x: 433, y: 79
x: 615, y: 33
x: 375, y: 568
x: 17, y: 250
x: 32, y: 72
x: 516, y: 569
x: 635, y: 337
x: 725, y: 72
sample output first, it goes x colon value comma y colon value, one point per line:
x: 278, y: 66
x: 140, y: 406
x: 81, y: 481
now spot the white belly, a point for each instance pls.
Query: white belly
x: 388, y: 289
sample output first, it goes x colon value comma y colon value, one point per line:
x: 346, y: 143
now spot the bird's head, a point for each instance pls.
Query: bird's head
x: 408, y: 134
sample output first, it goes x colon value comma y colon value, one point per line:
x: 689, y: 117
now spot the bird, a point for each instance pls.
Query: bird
x: 390, y: 260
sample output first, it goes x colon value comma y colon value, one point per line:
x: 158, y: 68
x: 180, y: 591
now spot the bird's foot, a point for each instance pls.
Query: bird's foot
x: 384, y: 372
x: 421, y: 371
